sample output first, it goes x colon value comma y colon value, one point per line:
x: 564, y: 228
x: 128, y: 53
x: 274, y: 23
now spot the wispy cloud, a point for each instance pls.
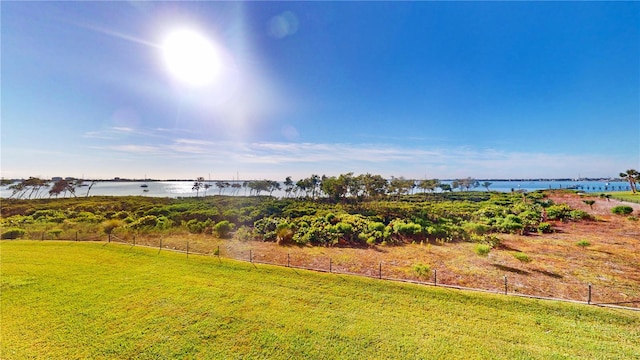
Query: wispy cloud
x: 269, y: 159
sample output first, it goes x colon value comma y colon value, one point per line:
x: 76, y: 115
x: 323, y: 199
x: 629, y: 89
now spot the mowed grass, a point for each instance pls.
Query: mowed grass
x: 626, y: 196
x: 66, y: 300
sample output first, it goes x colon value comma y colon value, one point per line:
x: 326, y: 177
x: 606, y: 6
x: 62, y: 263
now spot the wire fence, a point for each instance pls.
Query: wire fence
x: 515, y: 283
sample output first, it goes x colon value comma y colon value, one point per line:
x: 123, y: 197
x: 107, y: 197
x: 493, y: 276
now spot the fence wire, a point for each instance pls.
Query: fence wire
x: 506, y: 285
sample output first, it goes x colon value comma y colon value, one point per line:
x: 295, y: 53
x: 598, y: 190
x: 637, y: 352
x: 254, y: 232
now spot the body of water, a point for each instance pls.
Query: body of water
x: 184, y: 188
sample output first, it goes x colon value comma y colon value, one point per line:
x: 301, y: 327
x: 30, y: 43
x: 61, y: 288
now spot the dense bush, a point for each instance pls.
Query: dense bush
x: 196, y: 226
x: 580, y: 215
x: 545, y: 228
x: 438, y: 217
x: 558, y: 212
x: 476, y: 228
x: 223, y: 228
x: 245, y: 233
x: 110, y: 225
x: 622, y: 210
x: 509, y: 224
x: 54, y: 233
x: 13, y: 233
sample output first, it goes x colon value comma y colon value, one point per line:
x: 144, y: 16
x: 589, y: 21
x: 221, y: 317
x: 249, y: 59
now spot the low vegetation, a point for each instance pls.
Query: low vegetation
x: 622, y: 210
x: 583, y: 243
x: 386, y: 220
x: 113, y: 301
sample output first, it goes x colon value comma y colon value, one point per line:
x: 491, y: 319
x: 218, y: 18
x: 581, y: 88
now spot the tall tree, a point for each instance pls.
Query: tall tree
x: 288, y: 186
x: 468, y: 183
x: 374, y: 185
x: 486, y: 184
x: 632, y: 176
x: 334, y: 187
x: 198, y: 184
x: 428, y: 184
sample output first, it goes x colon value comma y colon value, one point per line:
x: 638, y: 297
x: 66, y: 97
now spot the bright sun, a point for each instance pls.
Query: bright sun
x: 190, y: 57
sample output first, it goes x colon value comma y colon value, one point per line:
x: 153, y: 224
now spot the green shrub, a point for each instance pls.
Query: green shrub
x: 491, y: 240
x: 476, y: 228
x: 510, y: 224
x: 422, y: 270
x: 195, y: 226
x: 13, y: 233
x: 244, y: 233
x: 88, y: 217
x: 110, y: 225
x: 482, y: 249
x: 52, y: 216
x: 622, y: 210
x: 558, y: 212
x: 632, y: 218
x: 375, y: 226
x: 284, y: 233
x: 545, y: 228
x: 54, y: 233
x: 522, y: 257
x: 583, y: 243
x: 144, y: 222
x: 120, y: 215
x: 580, y: 215
x: 223, y: 228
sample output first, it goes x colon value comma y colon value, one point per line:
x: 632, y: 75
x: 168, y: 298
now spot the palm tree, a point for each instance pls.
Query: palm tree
x: 486, y: 184
x: 632, y: 176
x: 198, y: 184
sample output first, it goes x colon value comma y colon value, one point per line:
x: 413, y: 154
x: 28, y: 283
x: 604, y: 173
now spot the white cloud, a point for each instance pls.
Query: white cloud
x: 162, y: 154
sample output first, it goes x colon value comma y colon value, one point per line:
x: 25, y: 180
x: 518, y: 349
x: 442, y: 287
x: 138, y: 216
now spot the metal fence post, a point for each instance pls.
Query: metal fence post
x: 505, y: 285
x: 187, y: 248
x: 330, y: 264
x: 589, y: 299
x: 380, y: 270
x: 288, y: 260
x: 109, y: 238
x: 435, y: 277
x: 250, y: 256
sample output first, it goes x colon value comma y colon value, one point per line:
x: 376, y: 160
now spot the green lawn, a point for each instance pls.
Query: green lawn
x: 66, y: 300
x: 626, y: 196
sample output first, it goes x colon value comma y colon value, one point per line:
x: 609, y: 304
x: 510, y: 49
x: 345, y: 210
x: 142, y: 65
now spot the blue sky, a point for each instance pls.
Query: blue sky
x: 414, y: 89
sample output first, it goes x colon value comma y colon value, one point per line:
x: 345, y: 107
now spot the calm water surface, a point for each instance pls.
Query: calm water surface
x: 176, y: 189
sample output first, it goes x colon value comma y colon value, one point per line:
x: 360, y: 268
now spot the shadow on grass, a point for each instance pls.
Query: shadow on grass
x: 511, y: 269
x: 548, y: 273
x: 507, y: 247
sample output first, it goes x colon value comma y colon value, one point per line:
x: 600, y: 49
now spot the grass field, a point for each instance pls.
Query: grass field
x: 66, y: 300
x: 626, y: 196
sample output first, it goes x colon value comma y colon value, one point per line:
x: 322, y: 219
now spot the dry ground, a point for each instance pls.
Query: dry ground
x: 558, y: 267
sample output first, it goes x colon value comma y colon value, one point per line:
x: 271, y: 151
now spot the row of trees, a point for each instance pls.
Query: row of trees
x: 33, y: 188
x: 341, y: 187
x: 335, y: 187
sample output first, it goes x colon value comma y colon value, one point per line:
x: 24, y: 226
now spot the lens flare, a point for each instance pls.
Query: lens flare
x: 191, y: 57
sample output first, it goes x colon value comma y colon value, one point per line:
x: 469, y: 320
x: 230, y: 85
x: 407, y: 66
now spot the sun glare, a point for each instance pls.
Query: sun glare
x: 191, y: 57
